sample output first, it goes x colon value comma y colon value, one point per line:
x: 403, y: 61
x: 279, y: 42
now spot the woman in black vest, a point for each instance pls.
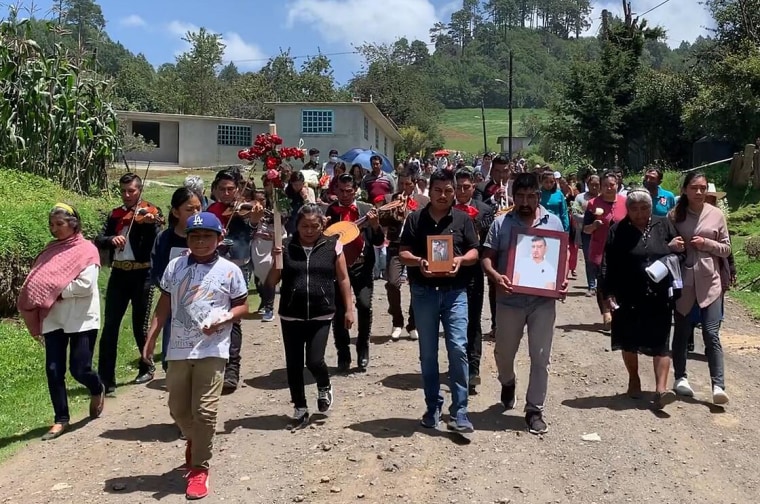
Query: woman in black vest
x: 311, y: 262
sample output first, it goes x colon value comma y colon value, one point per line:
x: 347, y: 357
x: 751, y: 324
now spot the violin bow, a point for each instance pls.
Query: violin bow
x: 134, y: 211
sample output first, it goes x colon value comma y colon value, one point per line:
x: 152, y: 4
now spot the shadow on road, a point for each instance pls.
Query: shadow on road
x: 277, y: 379
x: 160, y: 486
x: 163, y: 433
x: 268, y: 423
x: 617, y: 402
x: 37, y: 433
x: 388, y: 428
x: 408, y: 381
x: 592, y: 327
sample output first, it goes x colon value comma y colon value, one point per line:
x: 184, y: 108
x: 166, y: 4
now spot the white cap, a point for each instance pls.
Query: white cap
x: 557, y: 175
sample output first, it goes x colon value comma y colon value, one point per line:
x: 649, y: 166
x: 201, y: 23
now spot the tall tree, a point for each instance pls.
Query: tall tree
x: 197, y: 70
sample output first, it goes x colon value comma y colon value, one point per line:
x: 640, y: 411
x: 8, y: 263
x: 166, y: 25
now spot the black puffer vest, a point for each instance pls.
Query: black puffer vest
x: 308, y: 282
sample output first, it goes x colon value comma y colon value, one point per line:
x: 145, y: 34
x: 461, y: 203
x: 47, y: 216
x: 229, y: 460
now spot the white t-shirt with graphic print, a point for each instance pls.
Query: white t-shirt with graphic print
x: 200, y: 292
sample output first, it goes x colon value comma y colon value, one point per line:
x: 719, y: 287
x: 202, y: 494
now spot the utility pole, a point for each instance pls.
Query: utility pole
x: 483, y: 116
x: 510, y: 103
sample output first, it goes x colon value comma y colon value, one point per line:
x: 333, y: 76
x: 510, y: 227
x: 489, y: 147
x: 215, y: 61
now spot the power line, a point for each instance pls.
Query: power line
x: 344, y: 53
x: 655, y: 7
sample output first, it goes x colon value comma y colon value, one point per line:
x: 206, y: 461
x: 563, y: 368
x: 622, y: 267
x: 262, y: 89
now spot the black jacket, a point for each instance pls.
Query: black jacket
x: 141, y: 237
x: 308, y: 282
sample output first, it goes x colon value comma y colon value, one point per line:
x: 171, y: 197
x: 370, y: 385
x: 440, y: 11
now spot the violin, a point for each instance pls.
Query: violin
x: 139, y: 213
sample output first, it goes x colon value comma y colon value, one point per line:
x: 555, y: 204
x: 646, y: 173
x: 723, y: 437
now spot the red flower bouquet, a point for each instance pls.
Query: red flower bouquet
x: 266, y: 148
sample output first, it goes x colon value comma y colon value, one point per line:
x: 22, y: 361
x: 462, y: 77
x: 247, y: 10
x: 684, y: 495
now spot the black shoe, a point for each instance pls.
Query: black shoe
x: 508, y: 396
x: 110, y: 390
x: 536, y: 424
x: 474, y: 382
x: 143, y: 378
x: 324, y: 398
x: 363, y: 364
x: 690, y: 347
x: 344, y: 366
x: 229, y: 386
x: 299, y: 419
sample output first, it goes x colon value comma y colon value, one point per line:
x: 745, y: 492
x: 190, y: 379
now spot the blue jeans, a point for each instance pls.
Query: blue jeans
x: 432, y: 306
x: 591, y: 268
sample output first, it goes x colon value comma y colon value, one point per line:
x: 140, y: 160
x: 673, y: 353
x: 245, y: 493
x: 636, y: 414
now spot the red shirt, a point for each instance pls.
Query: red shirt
x: 612, y: 212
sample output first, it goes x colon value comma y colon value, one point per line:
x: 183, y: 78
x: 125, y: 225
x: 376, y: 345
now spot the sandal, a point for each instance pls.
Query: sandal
x: 96, y: 404
x: 55, y: 431
x: 663, y: 399
x: 634, y: 388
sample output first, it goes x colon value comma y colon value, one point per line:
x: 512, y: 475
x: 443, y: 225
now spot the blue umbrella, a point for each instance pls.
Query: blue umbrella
x: 362, y: 156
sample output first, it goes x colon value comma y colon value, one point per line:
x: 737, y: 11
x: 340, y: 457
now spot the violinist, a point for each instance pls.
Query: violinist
x: 395, y: 271
x: 127, y: 236
x: 227, y: 192
x: 360, y: 259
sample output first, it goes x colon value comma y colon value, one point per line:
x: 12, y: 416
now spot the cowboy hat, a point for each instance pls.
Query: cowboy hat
x: 719, y: 195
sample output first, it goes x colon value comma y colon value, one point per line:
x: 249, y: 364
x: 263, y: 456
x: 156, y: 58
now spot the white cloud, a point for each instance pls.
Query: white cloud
x: 133, y: 21
x: 353, y: 22
x: 682, y: 19
x: 245, y: 55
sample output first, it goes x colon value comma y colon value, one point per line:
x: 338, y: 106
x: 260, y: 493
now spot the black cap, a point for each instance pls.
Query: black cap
x: 333, y: 151
x: 313, y: 151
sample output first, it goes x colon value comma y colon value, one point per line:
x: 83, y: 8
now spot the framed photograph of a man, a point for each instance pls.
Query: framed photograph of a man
x: 440, y: 251
x: 537, y: 262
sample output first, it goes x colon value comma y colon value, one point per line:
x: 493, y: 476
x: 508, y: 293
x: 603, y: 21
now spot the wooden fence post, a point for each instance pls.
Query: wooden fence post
x: 744, y: 172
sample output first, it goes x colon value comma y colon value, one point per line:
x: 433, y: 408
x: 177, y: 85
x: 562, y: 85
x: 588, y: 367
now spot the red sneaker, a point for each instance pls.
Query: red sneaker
x: 197, y: 484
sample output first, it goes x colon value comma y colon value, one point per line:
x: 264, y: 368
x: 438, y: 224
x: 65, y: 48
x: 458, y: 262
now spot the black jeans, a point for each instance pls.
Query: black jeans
x: 232, y: 369
x: 393, y: 286
x: 124, y: 287
x: 492, y: 304
x: 361, y: 284
x: 80, y: 366
x: 313, y: 335
x: 266, y: 294
x: 711, y: 318
x: 475, y: 292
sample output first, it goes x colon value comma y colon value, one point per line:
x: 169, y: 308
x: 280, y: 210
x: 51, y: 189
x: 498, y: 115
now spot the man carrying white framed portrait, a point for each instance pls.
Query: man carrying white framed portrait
x: 516, y: 311
x: 535, y: 270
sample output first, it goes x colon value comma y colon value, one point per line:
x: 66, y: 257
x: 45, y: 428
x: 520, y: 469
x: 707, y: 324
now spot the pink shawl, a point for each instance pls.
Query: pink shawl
x: 59, y: 264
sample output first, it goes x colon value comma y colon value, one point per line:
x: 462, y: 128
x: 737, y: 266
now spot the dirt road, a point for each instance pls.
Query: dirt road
x: 371, y: 449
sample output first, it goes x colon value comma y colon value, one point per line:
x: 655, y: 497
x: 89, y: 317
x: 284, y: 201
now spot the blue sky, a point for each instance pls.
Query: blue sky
x: 254, y: 30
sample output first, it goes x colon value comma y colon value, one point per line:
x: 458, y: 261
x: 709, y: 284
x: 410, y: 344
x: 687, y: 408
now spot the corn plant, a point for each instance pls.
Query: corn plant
x: 55, y: 121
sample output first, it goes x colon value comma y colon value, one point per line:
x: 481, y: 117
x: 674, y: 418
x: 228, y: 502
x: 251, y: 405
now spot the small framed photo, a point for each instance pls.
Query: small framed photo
x: 440, y: 253
x: 537, y: 261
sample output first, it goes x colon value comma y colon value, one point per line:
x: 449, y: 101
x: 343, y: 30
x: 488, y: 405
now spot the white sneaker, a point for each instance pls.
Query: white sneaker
x: 413, y: 335
x: 682, y: 388
x: 719, y: 396
x: 396, y: 334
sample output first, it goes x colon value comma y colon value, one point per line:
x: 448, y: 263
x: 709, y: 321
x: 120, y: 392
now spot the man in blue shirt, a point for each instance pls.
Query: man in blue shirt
x: 662, y: 201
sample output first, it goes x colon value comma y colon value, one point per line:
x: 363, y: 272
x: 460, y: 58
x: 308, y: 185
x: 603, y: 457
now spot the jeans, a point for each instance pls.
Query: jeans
x: 124, y: 287
x: 711, y: 317
x: 381, y: 256
x: 393, y: 284
x: 361, y: 283
x: 195, y: 386
x: 475, y: 291
x: 433, y: 306
x: 167, y: 333
x: 266, y: 294
x: 591, y: 268
x: 492, y: 304
x: 539, y: 317
x: 80, y: 366
x: 295, y: 335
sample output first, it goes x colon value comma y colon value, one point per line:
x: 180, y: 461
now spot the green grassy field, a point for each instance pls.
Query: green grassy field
x: 462, y: 129
x: 25, y: 409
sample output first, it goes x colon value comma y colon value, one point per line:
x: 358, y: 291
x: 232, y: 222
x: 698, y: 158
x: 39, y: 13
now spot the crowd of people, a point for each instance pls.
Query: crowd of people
x: 651, y: 260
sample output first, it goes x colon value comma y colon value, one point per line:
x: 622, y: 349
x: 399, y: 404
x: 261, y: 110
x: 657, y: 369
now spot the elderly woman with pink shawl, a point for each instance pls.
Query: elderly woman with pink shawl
x: 60, y: 304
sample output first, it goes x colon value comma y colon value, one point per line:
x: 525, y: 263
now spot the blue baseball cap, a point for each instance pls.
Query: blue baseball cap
x: 204, y: 220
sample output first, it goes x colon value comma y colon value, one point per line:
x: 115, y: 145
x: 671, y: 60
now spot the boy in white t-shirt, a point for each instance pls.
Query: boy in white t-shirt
x: 205, y: 293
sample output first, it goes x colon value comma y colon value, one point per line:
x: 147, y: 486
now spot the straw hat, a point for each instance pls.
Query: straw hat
x: 719, y: 195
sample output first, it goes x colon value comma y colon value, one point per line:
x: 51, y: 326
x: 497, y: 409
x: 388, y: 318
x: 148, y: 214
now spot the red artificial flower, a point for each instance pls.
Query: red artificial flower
x: 243, y: 154
x: 471, y: 210
x: 276, y: 140
x: 272, y: 175
x: 411, y: 204
x: 272, y: 163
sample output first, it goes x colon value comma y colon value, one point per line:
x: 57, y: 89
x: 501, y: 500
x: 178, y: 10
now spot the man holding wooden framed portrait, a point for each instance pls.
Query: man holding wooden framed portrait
x: 527, y: 290
x: 436, y: 243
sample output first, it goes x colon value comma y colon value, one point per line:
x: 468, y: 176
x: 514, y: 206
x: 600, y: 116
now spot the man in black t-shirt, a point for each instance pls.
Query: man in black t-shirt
x: 441, y: 297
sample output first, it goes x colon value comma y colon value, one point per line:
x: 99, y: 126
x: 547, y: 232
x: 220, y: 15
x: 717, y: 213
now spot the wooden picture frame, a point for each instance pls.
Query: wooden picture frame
x: 529, y: 275
x: 440, y: 253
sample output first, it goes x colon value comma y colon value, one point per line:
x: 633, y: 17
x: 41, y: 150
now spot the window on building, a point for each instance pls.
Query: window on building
x: 366, y: 128
x: 317, y: 122
x: 236, y: 135
x: 385, y: 146
x: 377, y: 139
x: 149, y: 130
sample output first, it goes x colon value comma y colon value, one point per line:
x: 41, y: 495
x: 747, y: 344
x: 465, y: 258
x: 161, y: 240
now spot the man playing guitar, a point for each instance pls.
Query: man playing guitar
x: 127, y: 236
x: 360, y: 259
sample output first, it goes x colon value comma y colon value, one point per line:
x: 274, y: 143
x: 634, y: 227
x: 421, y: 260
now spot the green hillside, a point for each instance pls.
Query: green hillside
x: 462, y: 129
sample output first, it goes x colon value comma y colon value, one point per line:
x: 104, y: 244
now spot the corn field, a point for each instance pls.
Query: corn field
x: 54, y: 119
